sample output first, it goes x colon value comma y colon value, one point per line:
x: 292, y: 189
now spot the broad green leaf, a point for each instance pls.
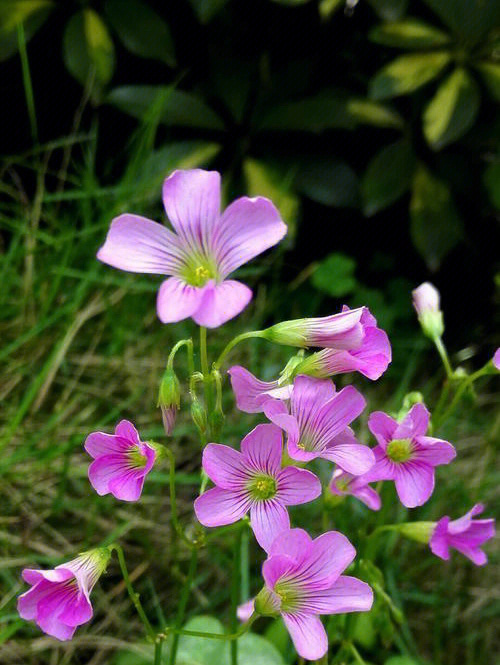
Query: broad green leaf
x: 407, y: 73
x: 491, y: 179
x: 452, y: 110
x: 142, y: 31
x: 389, y: 10
x: 335, y: 275
x: 254, y: 649
x: 88, y: 50
x: 490, y: 71
x: 387, y: 177
x: 409, y: 33
x: 368, y: 112
x: 327, y: 180
x: 470, y: 20
x: 329, y: 7
x: 435, y: 225
x: 180, y: 108
x: 31, y: 13
x: 205, y: 10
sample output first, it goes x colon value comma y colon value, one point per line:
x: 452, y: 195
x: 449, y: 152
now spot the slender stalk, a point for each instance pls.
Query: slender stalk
x: 207, y: 377
x: 28, y: 87
x: 181, y: 610
x: 444, y: 356
x: 216, y: 636
x: 134, y: 597
x: 158, y: 650
x: 236, y: 340
x: 356, y: 654
x: 174, y: 518
x: 466, y: 383
x: 235, y: 593
x: 183, y: 342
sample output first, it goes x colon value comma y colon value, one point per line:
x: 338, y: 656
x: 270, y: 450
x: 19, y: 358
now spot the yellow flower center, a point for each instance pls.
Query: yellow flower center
x: 399, y: 450
x: 289, y: 596
x: 262, y: 487
x: 137, y: 459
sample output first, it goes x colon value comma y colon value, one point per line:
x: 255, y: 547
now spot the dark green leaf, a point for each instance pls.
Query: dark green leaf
x: 409, y: 33
x: 335, y: 275
x: 206, y: 9
x: 179, y: 108
x: 387, y: 177
x: 327, y: 181
x: 407, y: 73
x: 470, y: 20
x: 435, y: 225
x: 491, y: 179
x: 452, y: 110
x: 490, y: 71
x: 389, y: 10
x: 141, y: 30
x: 31, y: 13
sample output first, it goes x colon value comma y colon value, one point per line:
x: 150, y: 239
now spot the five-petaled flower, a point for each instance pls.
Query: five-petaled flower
x: 317, y: 424
x: 121, y: 462
x: 464, y: 534
x: 59, y: 599
x: 404, y: 454
x: 303, y: 578
x: 206, y: 247
x: 253, y: 480
x: 344, y: 484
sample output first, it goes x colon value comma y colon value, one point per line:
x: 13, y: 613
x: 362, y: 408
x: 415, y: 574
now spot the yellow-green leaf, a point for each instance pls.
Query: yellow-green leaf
x: 407, y: 73
x: 31, y: 13
x: 100, y: 47
x: 490, y: 71
x: 409, y: 33
x: 452, y: 110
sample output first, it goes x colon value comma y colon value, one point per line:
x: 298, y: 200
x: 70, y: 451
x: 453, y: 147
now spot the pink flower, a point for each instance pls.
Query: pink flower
x: 465, y: 535
x: 370, y: 359
x: 205, y: 248
x: 253, y: 480
x: 317, y: 425
x: 251, y: 393
x: 58, y: 600
x: 303, y: 578
x: 406, y: 456
x: 121, y: 462
x: 496, y: 359
x: 426, y: 302
x: 343, y: 484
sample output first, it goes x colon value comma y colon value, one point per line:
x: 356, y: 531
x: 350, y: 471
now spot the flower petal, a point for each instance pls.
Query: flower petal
x: 308, y: 395
x: 354, y: 458
x: 336, y: 414
x: 128, y: 485
x: 137, y: 244
x: 276, y: 566
x: 414, y: 483
x: 225, y: 466
x: 463, y: 523
x: 295, y: 543
x: 106, y: 468
x: 308, y: 635
x: 368, y: 496
x: 246, y: 229
x: 383, y: 469
x: 177, y: 300
x: 222, y: 302
x: 415, y: 423
x: 433, y: 451
x: 439, y: 541
x: 217, y: 507
x: 250, y: 392
x: 245, y: 610
x: 382, y: 427
x: 328, y: 557
x: 98, y: 444
x: 277, y: 413
x: 297, y: 486
x: 268, y: 519
x: 262, y: 449
x: 126, y: 430
x: 348, y: 594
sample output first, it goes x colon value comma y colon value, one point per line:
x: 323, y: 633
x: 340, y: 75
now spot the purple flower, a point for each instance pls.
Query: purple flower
x: 205, y: 248
x: 317, y: 425
x: 121, y: 462
x: 303, y: 578
x: 465, y: 535
x: 251, y: 393
x: 58, y: 600
x: 343, y: 484
x: 404, y: 454
x: 370, y: 359
x: 496, y: 359
x: 253, y: 480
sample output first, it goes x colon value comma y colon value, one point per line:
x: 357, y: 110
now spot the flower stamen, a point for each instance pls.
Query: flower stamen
x: 399, y: 450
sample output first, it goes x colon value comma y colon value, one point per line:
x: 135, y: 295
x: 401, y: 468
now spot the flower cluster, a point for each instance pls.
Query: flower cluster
x: 309, y: 422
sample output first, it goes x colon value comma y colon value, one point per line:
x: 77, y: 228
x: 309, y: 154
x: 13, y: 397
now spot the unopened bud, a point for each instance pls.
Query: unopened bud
x: 169, y: 399
x: 199, y: 416
x: 419, y: 531
x: 426, y: 303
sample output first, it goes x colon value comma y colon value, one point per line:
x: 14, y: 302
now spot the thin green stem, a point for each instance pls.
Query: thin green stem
x: 181, y: 610
x: 236, y: 340
x: 216, y: 636
x: 28, y: 87
x: 158, y: 650
x: 235, y: 593
x: 183, y: 342
x: 444, y: 356
x: 134, y: 597
x: 466, y: 383
x: 356, y: 654
x: 174, y: 518
x: 207, y: 377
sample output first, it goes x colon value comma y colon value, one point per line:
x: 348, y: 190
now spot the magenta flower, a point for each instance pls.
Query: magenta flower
x: 343, y: 484
x: 253, y: 480
x: 370, y: 359
x: 303, y: 578
x: 317, y: 425
x: 465, y: 535
x: 404, y: 454
x: 251, y: 393
x: 496, y: 360
x: 205, y: 248
x: 59, y: 599
x: 121, y: 462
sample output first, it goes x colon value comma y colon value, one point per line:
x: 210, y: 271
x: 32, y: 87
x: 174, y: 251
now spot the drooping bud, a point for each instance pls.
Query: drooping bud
x: 419, y: 531
x: 426, y: 302
x: 267, y: 603
x: 199, y: 416
x: 169, y: 399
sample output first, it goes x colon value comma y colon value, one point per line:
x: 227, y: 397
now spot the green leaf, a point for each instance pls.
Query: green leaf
x: 388, y: 176
x: 31, y: 13
x: 400, y: 660
x: 368, y: 112
x: 256, y: 650
x: 452, y: 110
x: 490, y: 72
x: 470, y: 20
x: 407, y: 73
x: 205, y: 10
x: 335, y: 275
x: 142, y: 31
x: 435, y: 225
x: 88, y: 50
x: 409, y: 33
x: 491, y: 179
x: 389, y: 10
x: 179, y: 108
x: 327, y: 180
x: 329, y: 7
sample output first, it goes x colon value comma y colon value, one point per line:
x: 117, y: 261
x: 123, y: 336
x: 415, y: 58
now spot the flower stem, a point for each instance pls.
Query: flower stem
x: 235, y: 593
x: 186, y: 589
x: 174, y: 518
x: 134, y: 597
x: 466, y: 383
x: 207, y: 376
x: 236, y: 340
x: 183, y: 342
x: 356, y: 654
x: 216, y: 636
x: 158, y: 650
x: 444, y: 356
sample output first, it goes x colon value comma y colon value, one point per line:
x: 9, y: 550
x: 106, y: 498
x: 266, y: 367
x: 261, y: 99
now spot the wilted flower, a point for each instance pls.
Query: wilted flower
x: 404, y: 454
x: 317, y: 425
x: 465, y: 535
x: 205, y: 248
x: 370, y: 359
x: 344, y: 484
x: 121, y: 462
x: 303, y: 579
x: 59, y: 599
x: 253, y: 480
x: 426, y: 303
